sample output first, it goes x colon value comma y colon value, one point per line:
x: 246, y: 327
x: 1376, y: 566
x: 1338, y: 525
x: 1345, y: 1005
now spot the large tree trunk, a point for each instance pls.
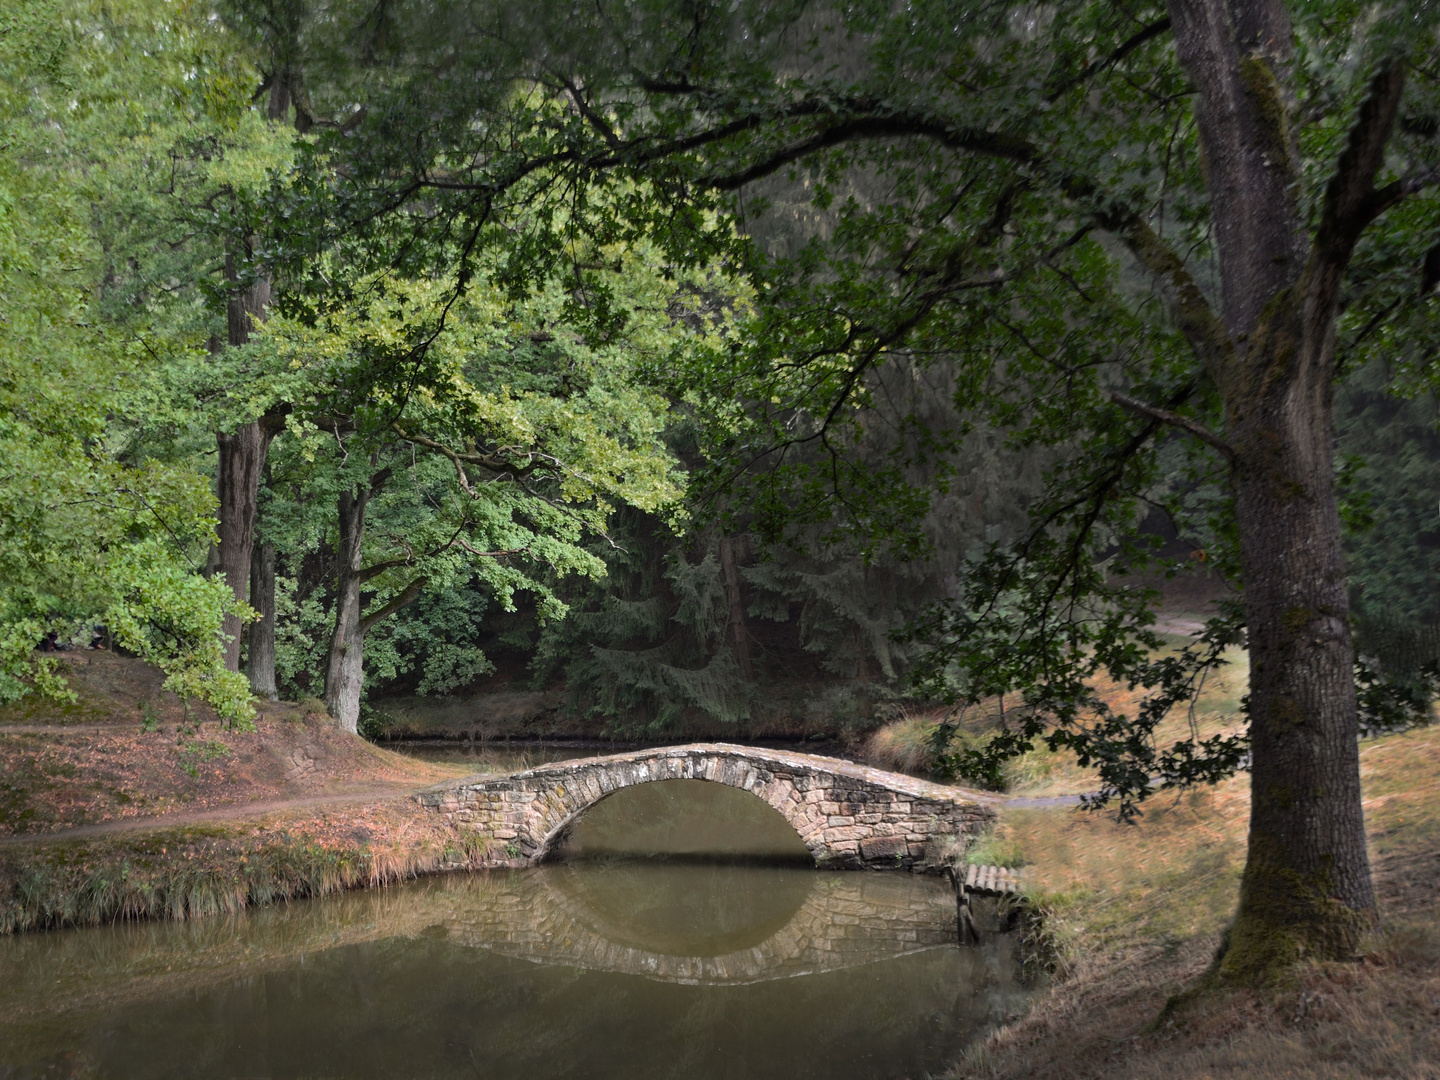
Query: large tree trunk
x: 345, y: 667
x: 1306, y: 888
x: 260, y: 663
x: 242, y: 457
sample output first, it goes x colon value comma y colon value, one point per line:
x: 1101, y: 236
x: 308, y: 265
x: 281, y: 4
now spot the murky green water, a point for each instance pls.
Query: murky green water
x: 605, y: 965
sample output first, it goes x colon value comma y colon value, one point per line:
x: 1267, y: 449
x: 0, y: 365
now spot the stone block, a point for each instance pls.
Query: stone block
x: 839, y: 819
x: 884, y: 847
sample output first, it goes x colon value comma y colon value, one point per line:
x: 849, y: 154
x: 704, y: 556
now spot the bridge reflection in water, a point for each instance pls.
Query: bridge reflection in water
x: 710, y: 925
x: 692, y: 882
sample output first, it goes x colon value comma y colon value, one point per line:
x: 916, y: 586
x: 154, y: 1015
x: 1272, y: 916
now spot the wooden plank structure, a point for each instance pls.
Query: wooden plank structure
x: 991, y: 881
x: 997, y: 881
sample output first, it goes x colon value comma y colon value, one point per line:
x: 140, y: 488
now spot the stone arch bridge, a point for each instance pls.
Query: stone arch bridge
x: 849, y: 816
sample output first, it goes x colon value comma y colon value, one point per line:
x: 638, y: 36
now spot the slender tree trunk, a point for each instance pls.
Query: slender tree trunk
x: 345, y: 665
x: 345, y: 668
x: 242, y: 453
x: 732, y: 553
x: 242, y: 456
x: 261, y: 661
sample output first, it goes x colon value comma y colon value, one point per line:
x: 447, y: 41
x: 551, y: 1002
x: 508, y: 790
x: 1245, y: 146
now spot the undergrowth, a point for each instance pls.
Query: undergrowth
x: 915, y: 744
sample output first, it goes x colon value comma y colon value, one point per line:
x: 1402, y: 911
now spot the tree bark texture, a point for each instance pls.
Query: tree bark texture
x: 242, y: 456
x: 1306, y: 888
x: 260, y: 662
x: 242, y: 453
x: 345, y: 667
x: 245, y: 307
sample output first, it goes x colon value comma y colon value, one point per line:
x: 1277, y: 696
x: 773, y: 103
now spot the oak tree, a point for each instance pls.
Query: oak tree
x: 1116, y: 225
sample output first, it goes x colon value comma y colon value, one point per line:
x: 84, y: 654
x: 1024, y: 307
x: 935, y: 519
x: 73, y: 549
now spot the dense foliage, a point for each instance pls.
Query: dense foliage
x: 956, y: 325
x: 1105, y: 224
x: 92, y: 532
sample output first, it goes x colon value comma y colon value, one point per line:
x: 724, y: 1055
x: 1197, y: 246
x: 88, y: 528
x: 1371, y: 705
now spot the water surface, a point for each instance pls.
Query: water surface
x: 669, y: 947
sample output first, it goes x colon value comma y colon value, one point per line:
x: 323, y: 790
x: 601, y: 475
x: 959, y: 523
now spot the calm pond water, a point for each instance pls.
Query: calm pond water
x: 677, y: 937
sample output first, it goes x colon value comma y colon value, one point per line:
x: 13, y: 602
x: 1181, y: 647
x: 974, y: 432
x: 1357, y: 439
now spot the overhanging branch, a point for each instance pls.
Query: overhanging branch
x: 1174, y: 419
x: 398, y: 601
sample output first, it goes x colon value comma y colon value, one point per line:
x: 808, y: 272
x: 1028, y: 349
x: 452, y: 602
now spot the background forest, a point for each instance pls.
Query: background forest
x: 440, y: 491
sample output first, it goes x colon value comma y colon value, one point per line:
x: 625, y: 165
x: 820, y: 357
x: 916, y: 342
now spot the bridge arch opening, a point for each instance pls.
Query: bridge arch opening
x: 693, y: 820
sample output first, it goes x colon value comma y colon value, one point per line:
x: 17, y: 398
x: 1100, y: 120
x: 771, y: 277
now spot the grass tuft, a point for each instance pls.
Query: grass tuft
x: 190, y: 880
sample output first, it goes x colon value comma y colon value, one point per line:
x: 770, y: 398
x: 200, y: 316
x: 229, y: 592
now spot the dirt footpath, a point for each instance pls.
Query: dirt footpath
x: 125, y: 751
x: 127, y: 803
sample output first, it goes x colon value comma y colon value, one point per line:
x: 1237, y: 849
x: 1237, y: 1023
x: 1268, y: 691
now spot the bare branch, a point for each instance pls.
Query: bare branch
x: 396, y: 603
x: 1174, y: 419
x: 374, y: 571
x: 1193, y: 314
x: 1351, y: 201
x: 500, y: 466
x: 460, y: 543
x: 1117, y: 54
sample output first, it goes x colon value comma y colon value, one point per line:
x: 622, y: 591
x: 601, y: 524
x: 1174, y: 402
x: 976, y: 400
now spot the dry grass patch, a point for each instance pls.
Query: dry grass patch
x: 908, y: 744
x: 1135, y: 913
x: 1105, y: 884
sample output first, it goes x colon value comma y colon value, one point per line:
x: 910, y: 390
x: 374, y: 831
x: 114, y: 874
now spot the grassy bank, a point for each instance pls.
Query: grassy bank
x: 127, y: 804
x: 1135, y: 914
x: 198, y: 871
